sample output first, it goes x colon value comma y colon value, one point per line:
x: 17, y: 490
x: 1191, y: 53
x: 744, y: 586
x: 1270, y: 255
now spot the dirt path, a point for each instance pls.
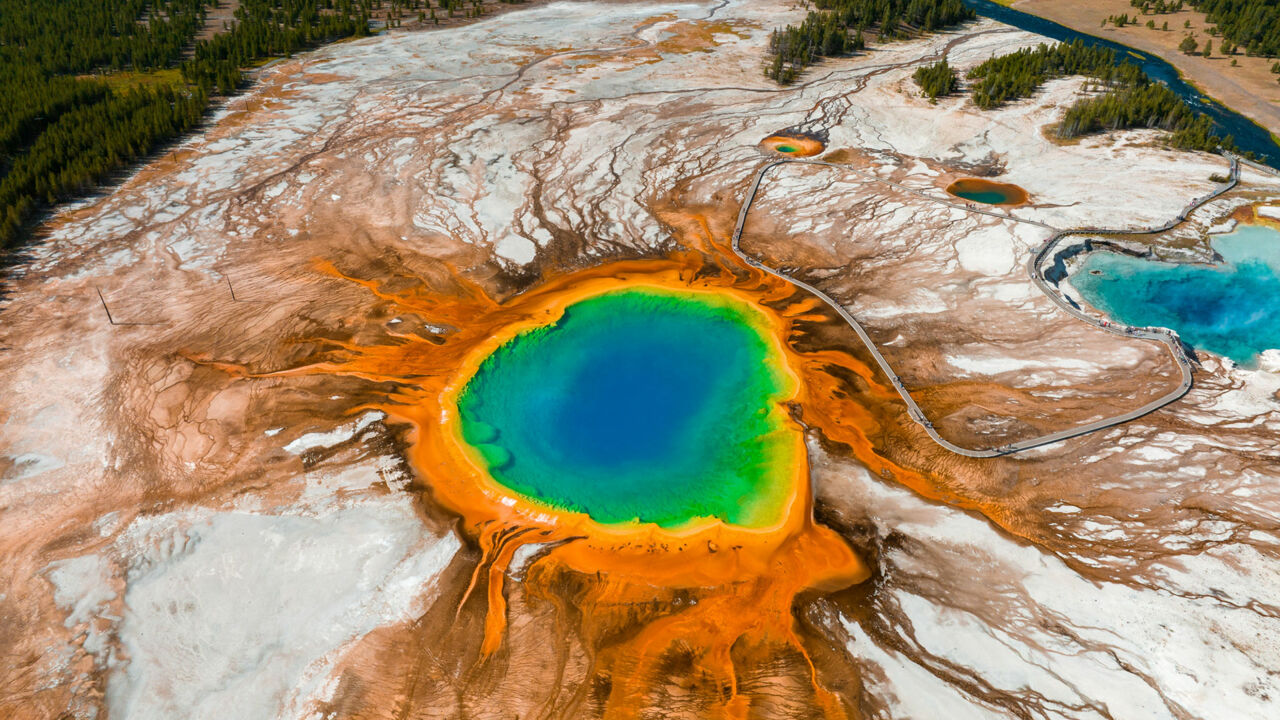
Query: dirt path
x: 1034, y: 267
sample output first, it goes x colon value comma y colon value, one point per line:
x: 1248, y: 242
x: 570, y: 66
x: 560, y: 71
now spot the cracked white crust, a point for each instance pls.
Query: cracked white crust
x: 1148, y: 592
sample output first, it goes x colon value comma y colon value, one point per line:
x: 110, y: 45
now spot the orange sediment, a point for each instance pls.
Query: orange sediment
x: 727, y: 592
x: 980, y: 189
x: 1251, y: 215
x: 794, y: 145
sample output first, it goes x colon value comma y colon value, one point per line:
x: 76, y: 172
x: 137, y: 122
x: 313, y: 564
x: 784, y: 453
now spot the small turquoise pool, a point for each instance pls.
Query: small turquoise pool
x: 642, y: 404
x: 1232, y: 309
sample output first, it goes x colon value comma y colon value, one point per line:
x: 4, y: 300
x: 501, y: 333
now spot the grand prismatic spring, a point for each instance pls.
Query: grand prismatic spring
x: 448, y: 374
x: 641, y: 405
x: 633, y: 423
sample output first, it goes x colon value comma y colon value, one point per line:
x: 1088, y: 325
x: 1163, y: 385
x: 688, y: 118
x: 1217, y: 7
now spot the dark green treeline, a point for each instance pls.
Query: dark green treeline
x: 1126, y: 97
x: 1251, y: 26
x: 1019, y: 74
x: 268, y: 29
x: 90, y: 86
x: 936, y: 80
x: 839, y: 27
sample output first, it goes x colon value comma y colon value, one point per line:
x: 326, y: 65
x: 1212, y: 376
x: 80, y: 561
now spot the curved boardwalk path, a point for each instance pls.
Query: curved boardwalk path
x: 1163, y: 335
x: 1258, y: 166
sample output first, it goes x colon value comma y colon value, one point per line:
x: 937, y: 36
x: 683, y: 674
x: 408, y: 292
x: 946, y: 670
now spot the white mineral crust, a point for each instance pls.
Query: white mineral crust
x: 562, y: 127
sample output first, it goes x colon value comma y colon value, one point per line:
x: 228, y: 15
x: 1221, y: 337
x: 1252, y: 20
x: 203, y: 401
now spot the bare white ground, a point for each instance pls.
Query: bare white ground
x: 598, y: 111
x: 234, y: 611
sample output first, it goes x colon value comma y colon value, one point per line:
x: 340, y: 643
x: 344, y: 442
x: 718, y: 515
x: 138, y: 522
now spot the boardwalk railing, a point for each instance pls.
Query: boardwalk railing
x: 1034, y: 264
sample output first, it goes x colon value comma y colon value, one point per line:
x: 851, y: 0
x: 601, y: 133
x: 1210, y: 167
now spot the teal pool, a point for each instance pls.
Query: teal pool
x: 987, y: 192
x: 1232, y: 309
x: 641, y: 404
x: 990, y: 197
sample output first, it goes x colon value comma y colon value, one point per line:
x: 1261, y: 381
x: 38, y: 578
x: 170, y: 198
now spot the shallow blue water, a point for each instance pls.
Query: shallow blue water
x: 642, y: 404
x: 1232, y: 309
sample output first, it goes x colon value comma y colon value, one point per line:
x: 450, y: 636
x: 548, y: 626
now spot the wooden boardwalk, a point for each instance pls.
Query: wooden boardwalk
x: 1034, y: 267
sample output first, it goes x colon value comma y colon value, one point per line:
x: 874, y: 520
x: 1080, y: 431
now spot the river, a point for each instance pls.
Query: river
x: 1249, y: 136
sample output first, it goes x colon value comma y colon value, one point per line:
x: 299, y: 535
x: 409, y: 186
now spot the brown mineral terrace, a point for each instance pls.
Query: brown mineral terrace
x: 1164, y: 335
x: 179, y: 537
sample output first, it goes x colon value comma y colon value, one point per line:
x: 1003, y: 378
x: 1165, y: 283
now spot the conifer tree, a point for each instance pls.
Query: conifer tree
x: 1131, y: 99
x: 1252, y: 24
x: 825, y: 31
x: 936, y: 80
x: 63, y: 129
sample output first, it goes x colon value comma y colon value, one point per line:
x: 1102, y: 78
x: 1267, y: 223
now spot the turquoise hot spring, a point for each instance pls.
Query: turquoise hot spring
x: 1232, y: 309
x: 643, y: 404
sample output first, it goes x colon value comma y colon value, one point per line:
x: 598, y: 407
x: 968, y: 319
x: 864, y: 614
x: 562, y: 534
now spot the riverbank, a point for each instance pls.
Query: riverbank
x: 1249, y: 88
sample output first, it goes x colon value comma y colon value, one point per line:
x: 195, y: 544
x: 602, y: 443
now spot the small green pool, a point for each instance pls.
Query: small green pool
x: 649, y: 404
x: 988, y: 192
x: 990, y: 197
